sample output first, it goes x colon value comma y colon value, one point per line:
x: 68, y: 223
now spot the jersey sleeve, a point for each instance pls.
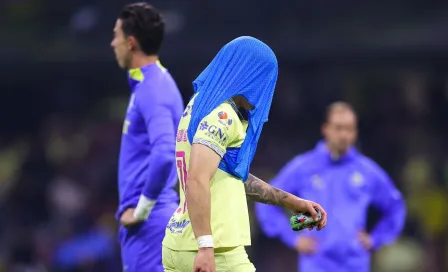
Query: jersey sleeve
x: 217, y: 130
x: 156, y: 110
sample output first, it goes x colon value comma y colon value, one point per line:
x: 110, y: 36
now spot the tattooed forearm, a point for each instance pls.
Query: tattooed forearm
x: 259, y: 191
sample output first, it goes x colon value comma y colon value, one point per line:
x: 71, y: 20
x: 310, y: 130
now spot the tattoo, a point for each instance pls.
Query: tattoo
x: 259, y: 191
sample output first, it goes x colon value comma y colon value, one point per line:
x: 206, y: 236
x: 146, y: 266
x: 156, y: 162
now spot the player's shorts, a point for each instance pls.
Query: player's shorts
x: 232, y: 259
x: 141, y: 245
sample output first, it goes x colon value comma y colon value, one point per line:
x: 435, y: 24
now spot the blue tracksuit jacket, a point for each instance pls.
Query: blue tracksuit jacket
x: 147, y: 164
x: 345, y: 188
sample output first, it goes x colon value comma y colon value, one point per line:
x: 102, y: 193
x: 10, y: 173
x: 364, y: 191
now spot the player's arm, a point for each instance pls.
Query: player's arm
x: 272, y: 219
x: 203, y: 166
x: 161, y: 163
x: 260, y: 191
x: 209, y: 146
x: 389, y: 201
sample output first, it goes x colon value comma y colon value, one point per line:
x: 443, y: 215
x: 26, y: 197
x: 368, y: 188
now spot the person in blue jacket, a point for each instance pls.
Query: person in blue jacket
x: 346, y: 182
x: 147, y: 172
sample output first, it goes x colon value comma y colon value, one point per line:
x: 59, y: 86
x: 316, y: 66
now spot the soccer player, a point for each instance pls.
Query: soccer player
x: 147, y: 171
x: 346, y: 182
x: 216, y: 142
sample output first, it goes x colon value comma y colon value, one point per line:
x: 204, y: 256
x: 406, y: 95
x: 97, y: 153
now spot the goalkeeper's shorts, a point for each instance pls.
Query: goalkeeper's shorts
x: 232, y: 259
x: 141, y: 244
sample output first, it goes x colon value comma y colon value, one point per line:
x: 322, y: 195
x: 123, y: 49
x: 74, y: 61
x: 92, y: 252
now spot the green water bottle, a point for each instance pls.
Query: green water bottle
x: 300, y: 221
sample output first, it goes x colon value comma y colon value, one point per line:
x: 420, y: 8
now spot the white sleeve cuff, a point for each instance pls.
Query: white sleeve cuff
x: 144, y: 207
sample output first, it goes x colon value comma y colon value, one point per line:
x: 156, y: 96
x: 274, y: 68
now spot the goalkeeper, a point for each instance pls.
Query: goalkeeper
x: 147, y: 171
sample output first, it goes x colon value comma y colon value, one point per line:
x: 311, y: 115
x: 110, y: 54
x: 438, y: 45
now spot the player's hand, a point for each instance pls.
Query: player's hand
x: 365, y: 239
x: 304, y: 206
x: 205, y: 260
x: 306, y: 245
x: 127, y: 218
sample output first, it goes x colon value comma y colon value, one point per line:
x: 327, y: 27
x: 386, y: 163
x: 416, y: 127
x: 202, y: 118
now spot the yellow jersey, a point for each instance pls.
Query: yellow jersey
x: 220, y: 130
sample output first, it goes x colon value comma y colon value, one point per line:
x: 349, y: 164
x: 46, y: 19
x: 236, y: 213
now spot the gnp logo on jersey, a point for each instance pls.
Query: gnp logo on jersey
x: 214, y: 132
x: 203, y: 125
x: 357, y: 179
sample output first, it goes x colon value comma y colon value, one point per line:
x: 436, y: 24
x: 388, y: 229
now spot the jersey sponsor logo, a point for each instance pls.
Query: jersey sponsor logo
x: 224, y: 118
x: 216, y: 133
x: 226, y: 123
x: 181, y: 135
x: 213, y: 132
x: 176, y: 227
x: 222, y: 115
x: 203, y: 125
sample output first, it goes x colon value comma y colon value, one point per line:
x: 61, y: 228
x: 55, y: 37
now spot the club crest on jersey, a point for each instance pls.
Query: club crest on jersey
x: 357, y: 179
x: 317, y: 182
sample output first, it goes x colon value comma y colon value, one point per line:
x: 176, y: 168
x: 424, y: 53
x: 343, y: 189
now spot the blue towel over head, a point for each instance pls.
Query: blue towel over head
x: 244, y: 67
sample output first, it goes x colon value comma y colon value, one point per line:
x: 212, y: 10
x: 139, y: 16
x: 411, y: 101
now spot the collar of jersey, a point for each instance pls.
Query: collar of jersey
x: 137, y: 75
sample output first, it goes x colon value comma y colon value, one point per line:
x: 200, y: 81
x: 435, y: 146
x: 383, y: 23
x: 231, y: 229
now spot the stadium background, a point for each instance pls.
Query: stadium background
x: 63, y: 99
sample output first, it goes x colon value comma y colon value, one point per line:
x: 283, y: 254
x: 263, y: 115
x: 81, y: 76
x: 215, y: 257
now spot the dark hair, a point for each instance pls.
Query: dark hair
x: 337, y: 106
x: 146, y: 24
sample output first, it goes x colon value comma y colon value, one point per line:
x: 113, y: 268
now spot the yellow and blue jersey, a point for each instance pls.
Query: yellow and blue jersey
x: 221, y: 130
